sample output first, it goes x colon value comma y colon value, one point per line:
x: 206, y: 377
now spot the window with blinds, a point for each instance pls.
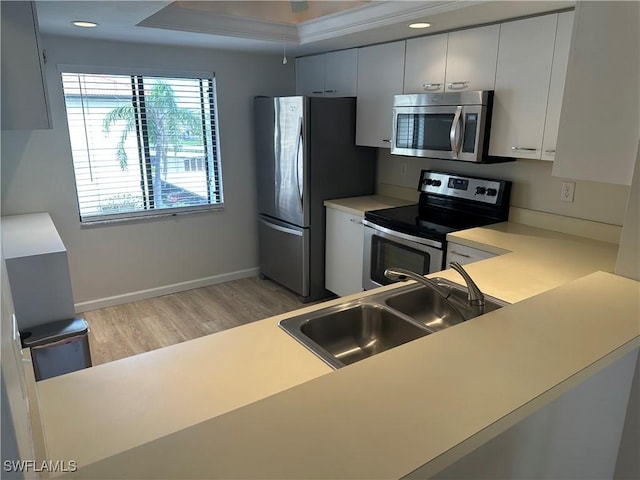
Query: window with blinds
x: 142, y: 145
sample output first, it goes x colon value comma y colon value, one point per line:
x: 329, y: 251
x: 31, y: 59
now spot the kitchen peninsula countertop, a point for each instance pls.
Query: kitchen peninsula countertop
x: 252, y: 402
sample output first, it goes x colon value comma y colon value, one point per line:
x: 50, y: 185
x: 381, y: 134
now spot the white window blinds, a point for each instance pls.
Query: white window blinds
x: 142, y: 145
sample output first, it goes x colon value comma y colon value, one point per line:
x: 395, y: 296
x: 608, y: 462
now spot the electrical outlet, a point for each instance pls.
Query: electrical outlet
x: 403, y: 169
x: 568, y: 191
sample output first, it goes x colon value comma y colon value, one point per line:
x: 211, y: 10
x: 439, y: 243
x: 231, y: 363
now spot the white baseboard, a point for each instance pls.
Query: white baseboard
x: 164, y: 290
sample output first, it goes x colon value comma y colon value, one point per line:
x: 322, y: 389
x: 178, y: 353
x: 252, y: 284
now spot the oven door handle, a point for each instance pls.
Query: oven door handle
x: 455, y: 134
x: 410, y: 238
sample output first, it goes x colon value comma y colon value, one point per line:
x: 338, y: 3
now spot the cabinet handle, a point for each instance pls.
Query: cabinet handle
x: 330, y: 91
x: 387, y: 140
x: 457, y: 85
x: 461, y: 254
x: 551, y: 151
x: 431, y: 86
x: 525, y: 149
x: 317, y: 92
x: 355, y: 220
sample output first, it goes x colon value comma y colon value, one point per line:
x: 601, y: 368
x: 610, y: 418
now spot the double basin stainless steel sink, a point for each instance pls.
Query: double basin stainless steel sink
x: 346, y: 333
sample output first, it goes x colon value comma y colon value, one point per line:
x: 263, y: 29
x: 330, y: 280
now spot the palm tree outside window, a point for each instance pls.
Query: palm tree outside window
x: 142, y: 145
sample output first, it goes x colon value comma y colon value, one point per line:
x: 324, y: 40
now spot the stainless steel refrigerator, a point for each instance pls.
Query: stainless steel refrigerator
x: 305, y: 154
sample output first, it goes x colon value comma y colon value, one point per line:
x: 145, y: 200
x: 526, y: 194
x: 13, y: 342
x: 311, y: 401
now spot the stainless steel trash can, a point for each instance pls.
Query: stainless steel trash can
x: 58, y: 347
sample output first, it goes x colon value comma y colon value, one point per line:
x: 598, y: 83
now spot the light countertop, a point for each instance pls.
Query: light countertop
x: 359, y: 205
x: 93, y: 413
x: 252, y: 402
x: 380, y: 418
x: 530, y: 260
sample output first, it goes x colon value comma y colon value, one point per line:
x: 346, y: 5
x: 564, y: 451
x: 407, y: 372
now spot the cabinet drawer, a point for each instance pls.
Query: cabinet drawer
x: 464, y: 255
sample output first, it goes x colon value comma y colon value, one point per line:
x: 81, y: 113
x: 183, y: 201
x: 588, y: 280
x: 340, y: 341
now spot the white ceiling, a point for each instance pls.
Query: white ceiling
x: 207, y: 24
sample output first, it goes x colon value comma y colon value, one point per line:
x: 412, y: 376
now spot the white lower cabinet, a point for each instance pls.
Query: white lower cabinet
x: 344, y: 251
x: 464, y: 255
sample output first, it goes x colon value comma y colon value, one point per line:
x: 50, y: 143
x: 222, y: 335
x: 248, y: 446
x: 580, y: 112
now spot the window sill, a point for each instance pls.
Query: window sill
x: 146, y: 217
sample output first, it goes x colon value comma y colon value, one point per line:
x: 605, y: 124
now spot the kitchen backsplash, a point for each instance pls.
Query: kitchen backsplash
x: 533, y: 186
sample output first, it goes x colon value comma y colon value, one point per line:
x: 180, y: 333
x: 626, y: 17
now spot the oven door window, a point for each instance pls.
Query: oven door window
x: 424, y: 131
x: 387, y: 253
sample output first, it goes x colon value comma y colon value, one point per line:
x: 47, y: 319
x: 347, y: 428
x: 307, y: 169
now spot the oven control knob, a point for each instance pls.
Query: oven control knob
x: 491, y: 192
x: 427, y: 181
x: 481, y: 190
x: 436, y: 183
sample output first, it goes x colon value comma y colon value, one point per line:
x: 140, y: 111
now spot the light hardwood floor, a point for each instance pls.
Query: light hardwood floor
x: 137, y: 327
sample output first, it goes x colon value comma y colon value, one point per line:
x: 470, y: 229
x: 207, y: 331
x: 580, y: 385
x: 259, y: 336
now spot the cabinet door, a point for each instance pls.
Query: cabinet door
x: 600, y: 118
x: 341, y: 73
x: 310, y: 76
x: 24, y: 95
x: 425, y: 64
x: 556, y: 87
x: 344, y: 251
x: 380, y: 76
x: 523, y: 74
x: 471, y: 59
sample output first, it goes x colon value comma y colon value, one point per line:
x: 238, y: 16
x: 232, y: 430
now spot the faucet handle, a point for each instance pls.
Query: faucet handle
x: 474, y: 296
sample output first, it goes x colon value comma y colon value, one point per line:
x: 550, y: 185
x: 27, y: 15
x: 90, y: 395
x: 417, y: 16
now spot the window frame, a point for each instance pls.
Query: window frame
x: 151, y: 213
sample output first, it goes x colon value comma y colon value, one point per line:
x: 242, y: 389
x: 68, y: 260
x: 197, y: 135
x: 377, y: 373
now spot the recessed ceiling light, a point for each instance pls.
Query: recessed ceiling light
x: 420, y: 25
x: 84, y: 23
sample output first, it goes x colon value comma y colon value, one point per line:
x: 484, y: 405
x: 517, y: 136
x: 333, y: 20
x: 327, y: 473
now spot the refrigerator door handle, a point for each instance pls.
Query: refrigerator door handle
x: 282, y: 229
x: 299, y: 144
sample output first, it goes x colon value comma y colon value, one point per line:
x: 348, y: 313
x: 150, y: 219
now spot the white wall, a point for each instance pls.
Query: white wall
x: 534, y: 188
x: 628, y: 262
x: 17, y: 441
x: 110, y: 261
x: 574, y: 437
x: 628, y: 265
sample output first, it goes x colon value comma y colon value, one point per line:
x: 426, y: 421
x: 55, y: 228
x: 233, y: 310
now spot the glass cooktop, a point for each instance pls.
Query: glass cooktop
x: 432, y: 222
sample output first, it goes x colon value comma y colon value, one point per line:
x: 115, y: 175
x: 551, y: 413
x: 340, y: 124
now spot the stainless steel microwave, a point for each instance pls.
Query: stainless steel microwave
x: 450, y: 126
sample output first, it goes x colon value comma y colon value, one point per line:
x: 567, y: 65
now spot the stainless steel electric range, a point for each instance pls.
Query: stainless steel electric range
x: 414, y: 236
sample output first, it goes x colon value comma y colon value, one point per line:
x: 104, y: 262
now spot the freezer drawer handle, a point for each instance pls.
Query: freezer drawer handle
x: 280, y: 228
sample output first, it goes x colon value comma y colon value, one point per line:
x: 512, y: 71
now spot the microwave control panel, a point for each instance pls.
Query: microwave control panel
x: 458, y: 186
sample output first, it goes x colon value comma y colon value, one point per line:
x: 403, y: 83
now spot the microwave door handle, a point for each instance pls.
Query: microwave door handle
x: 455, y: 135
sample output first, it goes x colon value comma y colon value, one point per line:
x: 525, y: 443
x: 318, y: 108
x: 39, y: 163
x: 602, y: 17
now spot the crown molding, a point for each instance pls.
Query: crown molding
x: 373, y: 15
x: 177, y: 18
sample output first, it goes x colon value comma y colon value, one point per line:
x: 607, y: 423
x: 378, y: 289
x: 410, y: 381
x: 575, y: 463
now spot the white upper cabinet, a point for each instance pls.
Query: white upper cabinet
x: 523, y: 74
x: 380, y: 77
x: 25, y: 104
x: 329, y: 75
x: 463, y: 60
x: 425, y: 63
x: 310, y: 76
x: 600, y: 118
x: 341, y: 73
x: 556, y: 87
x: 471, y: 59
